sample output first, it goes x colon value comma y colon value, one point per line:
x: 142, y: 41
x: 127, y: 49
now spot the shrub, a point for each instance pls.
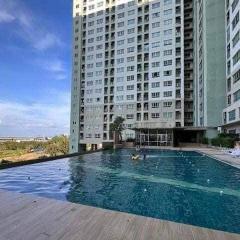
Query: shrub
x: 223, y: 140
x: 205, y: 140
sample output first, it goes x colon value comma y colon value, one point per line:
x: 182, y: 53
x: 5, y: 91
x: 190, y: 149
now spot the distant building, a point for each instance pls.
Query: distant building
x: 24, y: 139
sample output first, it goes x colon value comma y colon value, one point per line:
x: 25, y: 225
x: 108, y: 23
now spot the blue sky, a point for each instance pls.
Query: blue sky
x: 35, y: 67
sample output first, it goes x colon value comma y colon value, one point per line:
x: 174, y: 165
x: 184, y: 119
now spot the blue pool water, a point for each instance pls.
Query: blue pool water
x: 184, y: 187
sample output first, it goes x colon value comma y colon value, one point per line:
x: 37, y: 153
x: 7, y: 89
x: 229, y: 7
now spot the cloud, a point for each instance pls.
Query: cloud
x: 28, y: 27
x: 36, y: 119
x: 47, y: 41
x: 55, y: 67
x: 6, y: 17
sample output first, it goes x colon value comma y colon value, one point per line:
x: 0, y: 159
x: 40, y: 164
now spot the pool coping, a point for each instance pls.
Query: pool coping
x: 46, y: 159
x: 30, y: 217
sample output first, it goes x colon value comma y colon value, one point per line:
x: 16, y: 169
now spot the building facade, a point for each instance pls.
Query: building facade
x: 231, y: 114
x: 209, y: 64
x: 158, y: 64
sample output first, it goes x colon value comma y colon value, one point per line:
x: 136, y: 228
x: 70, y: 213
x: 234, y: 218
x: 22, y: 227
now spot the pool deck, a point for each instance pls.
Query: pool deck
x: 27, y: 217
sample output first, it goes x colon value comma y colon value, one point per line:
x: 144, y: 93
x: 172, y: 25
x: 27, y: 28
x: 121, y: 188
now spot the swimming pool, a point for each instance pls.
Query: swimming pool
x: 179, y: 186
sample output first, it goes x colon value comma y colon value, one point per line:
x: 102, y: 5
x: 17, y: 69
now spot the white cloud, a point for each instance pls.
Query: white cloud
x: 28, y: 27
x: 6, y: 17
x: 55, y: 67
x: 47, y: 41
x: 36, y: 119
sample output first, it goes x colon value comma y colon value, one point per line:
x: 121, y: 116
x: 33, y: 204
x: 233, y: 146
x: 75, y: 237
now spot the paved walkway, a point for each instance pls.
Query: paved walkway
x: 26, y: 217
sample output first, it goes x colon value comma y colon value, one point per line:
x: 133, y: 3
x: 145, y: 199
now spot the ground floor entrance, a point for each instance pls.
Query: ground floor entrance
x: 154, y: 137
x: 169, y: 137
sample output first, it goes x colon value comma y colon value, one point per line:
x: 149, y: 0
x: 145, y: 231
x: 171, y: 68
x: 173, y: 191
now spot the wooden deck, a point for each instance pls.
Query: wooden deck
x: 26, y: 217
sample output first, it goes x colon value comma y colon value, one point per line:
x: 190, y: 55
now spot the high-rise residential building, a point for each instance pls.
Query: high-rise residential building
x: 210, y: 64
x: 231, y: 114
x: 137, y: 59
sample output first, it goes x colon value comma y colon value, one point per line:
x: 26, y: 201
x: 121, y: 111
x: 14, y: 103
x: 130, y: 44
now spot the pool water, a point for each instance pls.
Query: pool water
x: 179, y: 186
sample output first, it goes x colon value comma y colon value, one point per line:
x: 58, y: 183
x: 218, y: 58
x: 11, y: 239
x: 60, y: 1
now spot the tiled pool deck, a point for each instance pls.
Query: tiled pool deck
x: 27, y: 217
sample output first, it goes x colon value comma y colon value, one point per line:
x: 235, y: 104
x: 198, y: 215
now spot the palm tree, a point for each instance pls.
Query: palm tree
x: 117, y: 127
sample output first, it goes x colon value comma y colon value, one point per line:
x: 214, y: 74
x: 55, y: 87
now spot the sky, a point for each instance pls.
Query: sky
x: 35, y: 67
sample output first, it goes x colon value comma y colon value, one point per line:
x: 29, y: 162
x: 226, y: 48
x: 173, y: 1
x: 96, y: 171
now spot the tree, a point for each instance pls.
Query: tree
x: 117, y: 127
x: 57, y: 145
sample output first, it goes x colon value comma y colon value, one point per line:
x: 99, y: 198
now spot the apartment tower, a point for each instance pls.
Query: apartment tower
x: 137, y: 59
x: 231, y: 114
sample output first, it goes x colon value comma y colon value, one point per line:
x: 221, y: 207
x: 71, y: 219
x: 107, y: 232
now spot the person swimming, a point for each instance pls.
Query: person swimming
x: 135, y: 157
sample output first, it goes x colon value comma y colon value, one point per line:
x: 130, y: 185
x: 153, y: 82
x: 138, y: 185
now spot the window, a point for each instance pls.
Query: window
x: 131, y: 3
x: 167, y: 12
x: 155, y: 105
x: 155, y: 115
x: 120, y: 51
x: 155, y: 34
x: 155, y: 94
x: 119, y: 97
x: 167, y: 32
x: 120, y: 33
x: 131, y: 12
x: 156, y: 64
x: 167, y: 52
x: 167, y: 94
x: 236, y: 57
x: 120, y: 70
x: 120, y: 42
x: 234, y: 5
x: 130, y: 49
x: 166, y: 2
x: 131, y: 21
x: 120, y: 79
x: 155, y: 54
x: 156, y: 15
x: 131, y: 30
x: 120, y: 60
x: 155, y: 44
x: 167, y: 22
x: 100, y: 21
x: 236, y: 96
x: 130, y: 59
x: 155, y: 74
x: 130, y: 68
x: 167, y: 114
x: 236, y: 76
x: 130, y: 78
x: 130, y: 97
x: 167, y: 63
x: 130, y: 87
x: 120, y: 88
x: 156, y: 24
x: 120, y: 24
x: 156, y: 5
x: 130, y: 40
x: 130, y: 106
x: 167, y: 42
x: 235, y: 21
x: 236, y: 39
x: 167, y: 83
x: 120, y: 15
x: 100, y: 29
x: 232, y: 115
x: 155, y: 84
x: 167, y: 104
x: 129, y: 116
x: 167, y: 73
